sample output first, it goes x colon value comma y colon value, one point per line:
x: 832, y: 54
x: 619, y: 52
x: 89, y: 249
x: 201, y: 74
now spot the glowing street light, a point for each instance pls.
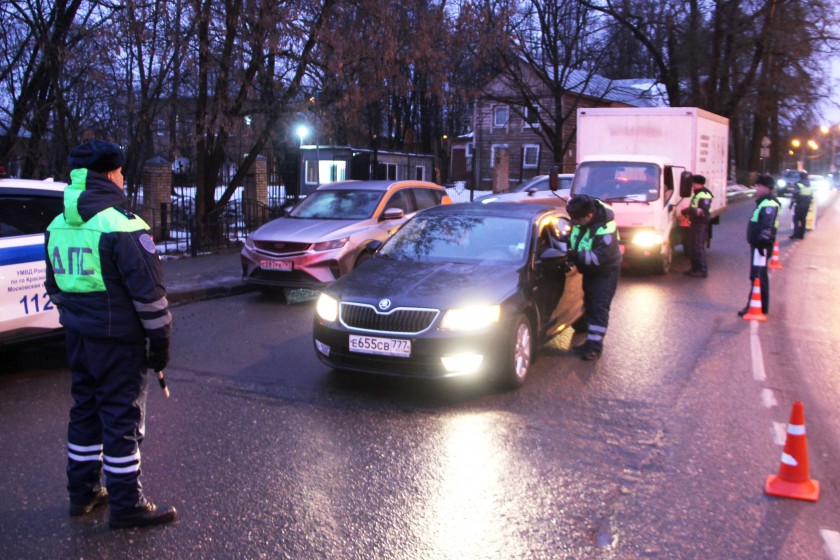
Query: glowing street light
x: 302, y: 132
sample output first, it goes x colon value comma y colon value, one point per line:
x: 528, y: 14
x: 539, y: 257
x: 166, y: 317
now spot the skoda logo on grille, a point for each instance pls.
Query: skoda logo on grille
x: 384, y: 304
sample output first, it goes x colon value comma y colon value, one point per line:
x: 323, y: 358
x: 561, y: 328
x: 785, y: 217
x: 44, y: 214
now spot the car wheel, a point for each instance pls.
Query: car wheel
x: 520, y: 353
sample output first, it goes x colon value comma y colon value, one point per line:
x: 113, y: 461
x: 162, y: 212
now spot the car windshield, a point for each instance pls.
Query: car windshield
x: 618, y: 182
x: 338, y: 205
x: 490, y: 240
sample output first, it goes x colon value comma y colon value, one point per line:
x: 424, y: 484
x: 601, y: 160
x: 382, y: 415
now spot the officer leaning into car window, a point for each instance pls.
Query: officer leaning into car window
x: 105, y: 278
x: 761, y: 235
x: 801, y: 203
x: 594, y: 250
x: 699, y: 213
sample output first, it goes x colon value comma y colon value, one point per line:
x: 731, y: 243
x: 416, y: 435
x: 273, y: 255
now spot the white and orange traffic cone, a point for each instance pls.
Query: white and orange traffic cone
x: 776, y: 259
x: 754, y: 312
x: 794, y: 479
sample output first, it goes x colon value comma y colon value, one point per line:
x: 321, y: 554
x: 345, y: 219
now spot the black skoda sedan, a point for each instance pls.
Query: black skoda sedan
x: 463, y: 289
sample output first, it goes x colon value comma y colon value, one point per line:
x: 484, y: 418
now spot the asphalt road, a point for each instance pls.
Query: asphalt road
x: 658, y: 450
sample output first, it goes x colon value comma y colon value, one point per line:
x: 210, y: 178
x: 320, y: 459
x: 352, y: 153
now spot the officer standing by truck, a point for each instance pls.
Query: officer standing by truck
x: 699, y: 213
x: 761, y: 235
x: 595, y: 251
x: 105, y: 278
x: 803, y: 195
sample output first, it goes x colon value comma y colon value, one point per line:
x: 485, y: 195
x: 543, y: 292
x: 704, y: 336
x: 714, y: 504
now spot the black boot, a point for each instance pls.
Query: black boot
x: 144, y: 516
x: 98, y: 499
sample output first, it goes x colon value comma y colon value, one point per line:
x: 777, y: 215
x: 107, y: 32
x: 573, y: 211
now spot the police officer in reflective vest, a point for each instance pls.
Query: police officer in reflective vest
x: 105, y: 278
x: 699, y: 213
x: 595, y: 251
x: 801, y: 203
x: 761, y: 235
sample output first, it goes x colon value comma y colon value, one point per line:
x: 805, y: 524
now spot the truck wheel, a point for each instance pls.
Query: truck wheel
x: 519, y: 353
x: 664, y: 264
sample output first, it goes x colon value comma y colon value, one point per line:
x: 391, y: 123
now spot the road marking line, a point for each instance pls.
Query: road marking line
x: 832, y: 543
x: 768, y: 398
x: 779, y: 433
x: 755, y: 351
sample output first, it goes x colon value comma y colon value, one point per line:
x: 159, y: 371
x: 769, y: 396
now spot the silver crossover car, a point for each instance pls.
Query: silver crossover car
x: 325, y: 236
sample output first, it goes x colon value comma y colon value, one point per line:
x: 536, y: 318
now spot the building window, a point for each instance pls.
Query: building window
x: 500, y: 116
x: 530, y: 117
x: 530, y: 156
x: 419, y: 173
x: 326, y: 171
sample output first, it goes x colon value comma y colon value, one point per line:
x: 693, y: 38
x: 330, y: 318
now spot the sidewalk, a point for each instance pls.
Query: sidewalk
x: 203, y: 277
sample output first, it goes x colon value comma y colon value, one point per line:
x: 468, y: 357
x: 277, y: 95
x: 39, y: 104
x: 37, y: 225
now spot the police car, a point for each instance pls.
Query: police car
x: 26, y: 209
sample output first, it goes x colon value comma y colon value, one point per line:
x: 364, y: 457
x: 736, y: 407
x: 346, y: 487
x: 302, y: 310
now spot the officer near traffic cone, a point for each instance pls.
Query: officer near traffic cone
x: 761, y: 235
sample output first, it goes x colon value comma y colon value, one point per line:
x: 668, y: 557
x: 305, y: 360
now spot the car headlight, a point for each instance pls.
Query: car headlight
x: 780, y: 183
x: 249, y: 242
x: 330, y: 245
x: 470, y: 318
x: 327, y: 308
x: 647, y: 238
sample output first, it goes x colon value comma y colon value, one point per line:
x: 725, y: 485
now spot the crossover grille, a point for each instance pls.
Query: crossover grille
x: 281, y: 247
x: 401, y: 320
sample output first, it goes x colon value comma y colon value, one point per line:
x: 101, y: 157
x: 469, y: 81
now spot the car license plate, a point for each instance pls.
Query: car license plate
x: 382, y: 346
x: 276, y: 265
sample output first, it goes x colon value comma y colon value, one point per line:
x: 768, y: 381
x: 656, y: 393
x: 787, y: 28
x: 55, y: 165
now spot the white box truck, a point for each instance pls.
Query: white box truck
x: 640, y: 161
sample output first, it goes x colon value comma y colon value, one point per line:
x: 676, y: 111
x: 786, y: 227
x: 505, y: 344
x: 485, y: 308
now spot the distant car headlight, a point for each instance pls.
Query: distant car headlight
x: 327, y: 308
x: 647, y: 238
x: 330, y: 245
x: 470, y: 318
x: 781, y: 183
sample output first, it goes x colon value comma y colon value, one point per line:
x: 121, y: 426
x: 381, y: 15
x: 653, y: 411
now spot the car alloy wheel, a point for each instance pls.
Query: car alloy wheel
x: 521, y: 349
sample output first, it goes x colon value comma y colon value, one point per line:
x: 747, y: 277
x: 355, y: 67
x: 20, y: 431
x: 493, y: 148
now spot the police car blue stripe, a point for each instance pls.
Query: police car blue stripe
x: 19, y: 255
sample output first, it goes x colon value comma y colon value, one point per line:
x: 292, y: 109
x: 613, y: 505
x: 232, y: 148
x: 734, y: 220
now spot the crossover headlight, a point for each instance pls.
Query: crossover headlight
x: 781, y: 183
x: 327, y: 308
x: 249, y: 242
x: 647, y: 238
x: 330, y: 245
x: 470, y: 318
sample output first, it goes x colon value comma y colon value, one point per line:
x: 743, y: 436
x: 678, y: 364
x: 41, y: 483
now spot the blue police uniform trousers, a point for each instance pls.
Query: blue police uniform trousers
x: 107, y: 420
x: 761, y: 273
x: 698, y: 233
x: 800, y: 216
x: 598, y: 291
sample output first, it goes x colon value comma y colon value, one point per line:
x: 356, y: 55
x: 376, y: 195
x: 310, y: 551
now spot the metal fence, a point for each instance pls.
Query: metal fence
x: 178, y: 230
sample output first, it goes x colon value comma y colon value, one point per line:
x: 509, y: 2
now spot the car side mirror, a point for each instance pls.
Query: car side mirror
x: 685, y: 184
x: 393, y: 214
x: 553, y: 257
x: 531, y: 191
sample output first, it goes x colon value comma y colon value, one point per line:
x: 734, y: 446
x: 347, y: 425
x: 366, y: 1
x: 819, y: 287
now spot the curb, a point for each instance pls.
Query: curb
x: 188, y: 294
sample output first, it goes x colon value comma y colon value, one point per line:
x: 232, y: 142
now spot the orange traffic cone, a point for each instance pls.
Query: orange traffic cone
x: 775, y: 260
x: 794, y: 480
x: 754, y: 312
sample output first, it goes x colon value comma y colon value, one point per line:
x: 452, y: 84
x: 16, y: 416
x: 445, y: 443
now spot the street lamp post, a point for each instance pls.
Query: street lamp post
x: 302, y: 132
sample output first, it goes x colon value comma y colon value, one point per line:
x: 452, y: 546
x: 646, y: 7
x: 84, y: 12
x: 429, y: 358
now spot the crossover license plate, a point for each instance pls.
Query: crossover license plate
x: 381, y: 346
x: 276, y: 265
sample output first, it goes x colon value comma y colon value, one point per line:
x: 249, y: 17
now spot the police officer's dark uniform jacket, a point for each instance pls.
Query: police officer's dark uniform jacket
x: 761, y: 235
x: 803, y: 195
x: 595, y: 251
x: 106, y: 280
x: 699, y: 213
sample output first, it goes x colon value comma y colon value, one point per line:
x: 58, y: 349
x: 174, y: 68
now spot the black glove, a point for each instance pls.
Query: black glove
x: 158, y: 354
x: 571, y: 256
x: 762, y: 251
